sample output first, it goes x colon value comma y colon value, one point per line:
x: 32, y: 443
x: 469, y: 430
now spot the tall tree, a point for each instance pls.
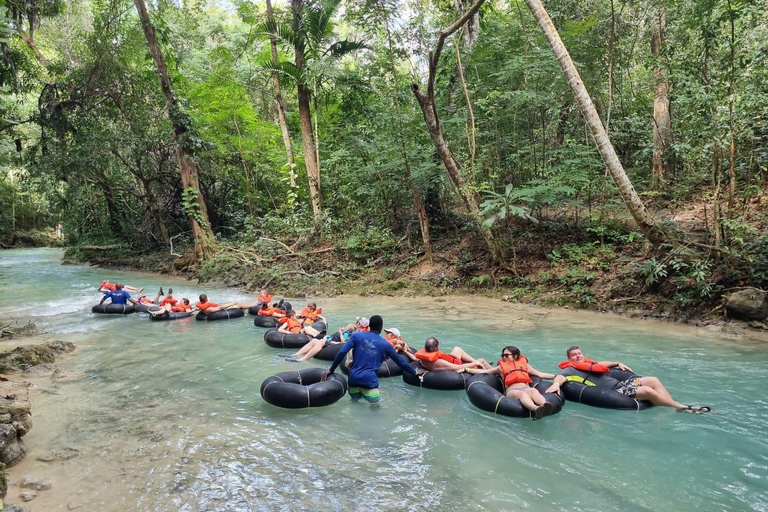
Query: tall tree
x: 468, y: 195
x: 662, y: 134
x: 647, y: 224
x: 279, y: 103
x: 205, y: 240
x: 309, y: 35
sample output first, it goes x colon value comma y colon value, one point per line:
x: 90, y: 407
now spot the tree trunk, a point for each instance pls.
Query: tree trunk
x: 280, y: 103
x: 205, y: 241
x: 661, y: 117
x: 469, y: 197
x: 154, y: 209
x: 305, y: 116
x: 421, y: 212
x: 30, y: 42
x: 647, y: 224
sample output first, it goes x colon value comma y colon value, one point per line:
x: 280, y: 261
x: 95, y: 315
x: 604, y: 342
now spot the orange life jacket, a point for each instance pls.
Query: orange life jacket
x: 205, y: 305
x: 394, y: 340
x: 270, y: 311
x: 588, y: 365
x: 168, y: 301
x: 109, y: 286
x: 310, y: 316
x: 293, y: 325
x: 264, y: 298
x: 423, y: 355
x: 181, y: 309
x: 515, y: 372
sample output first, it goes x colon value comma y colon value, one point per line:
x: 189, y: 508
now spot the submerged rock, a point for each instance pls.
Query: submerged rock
x: 59, y: 455
x: 38, y: 484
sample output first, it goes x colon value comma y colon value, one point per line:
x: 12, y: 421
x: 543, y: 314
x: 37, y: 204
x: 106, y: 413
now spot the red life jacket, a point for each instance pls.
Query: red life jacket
x: 588, y: 365
x: 515, y: 372
x: 423, y: 355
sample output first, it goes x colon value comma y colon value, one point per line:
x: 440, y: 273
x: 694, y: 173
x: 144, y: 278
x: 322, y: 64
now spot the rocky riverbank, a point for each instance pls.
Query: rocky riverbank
x: 27, y: 359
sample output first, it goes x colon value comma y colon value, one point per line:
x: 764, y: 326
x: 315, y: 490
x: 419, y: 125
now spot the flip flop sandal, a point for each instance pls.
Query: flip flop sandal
x: 693, y: 409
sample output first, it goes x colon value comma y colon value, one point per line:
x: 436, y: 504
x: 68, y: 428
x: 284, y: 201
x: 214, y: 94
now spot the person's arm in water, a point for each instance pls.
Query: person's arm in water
x: 108, y: 294
x: 402, y: 363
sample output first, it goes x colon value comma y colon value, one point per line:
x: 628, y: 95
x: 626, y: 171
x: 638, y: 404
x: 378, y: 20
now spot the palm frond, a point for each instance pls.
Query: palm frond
x: 282, y: 31
x: 284, y: 68
x: 341, y: 48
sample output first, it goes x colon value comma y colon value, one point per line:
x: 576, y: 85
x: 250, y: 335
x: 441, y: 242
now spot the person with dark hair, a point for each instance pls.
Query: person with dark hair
x: 514, y: 370
x: 370, y: 351
x: 592, y: 373
x: 118, y: 296
x: 206, y: 307
x: 433, y: 359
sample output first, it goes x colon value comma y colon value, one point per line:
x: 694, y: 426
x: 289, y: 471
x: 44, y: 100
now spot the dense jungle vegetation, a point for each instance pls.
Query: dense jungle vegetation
x: 445, y: 143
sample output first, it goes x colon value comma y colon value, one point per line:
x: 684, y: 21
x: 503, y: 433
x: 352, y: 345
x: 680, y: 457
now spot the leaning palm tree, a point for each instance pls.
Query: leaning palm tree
x: 311, y: 37
x: 646, y: 222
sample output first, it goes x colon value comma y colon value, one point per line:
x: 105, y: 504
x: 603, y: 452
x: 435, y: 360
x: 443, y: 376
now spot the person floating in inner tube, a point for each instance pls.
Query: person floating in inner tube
x: 169, y: 304
x: 106, y: 287
x: 263, y: 297
x: 432, y: 359
x: 515, y: 371
x: 289, y: 324
x: 592, y: 373
x: 266, y: 309
x: 118, y: 296
x: 315, y: 345
x: 398, y: 343
x: 206, y: 307
x: 370, y: 352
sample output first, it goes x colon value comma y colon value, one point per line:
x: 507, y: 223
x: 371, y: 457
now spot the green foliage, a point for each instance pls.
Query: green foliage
x: 190, y: 201
x: 369, y: 244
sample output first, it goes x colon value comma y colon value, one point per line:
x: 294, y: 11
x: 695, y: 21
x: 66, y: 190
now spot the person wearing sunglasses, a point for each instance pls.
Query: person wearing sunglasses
x: 514, y: 370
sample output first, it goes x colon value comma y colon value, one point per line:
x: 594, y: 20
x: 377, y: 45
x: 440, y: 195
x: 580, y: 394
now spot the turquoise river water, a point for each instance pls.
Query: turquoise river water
x: 168, y: 415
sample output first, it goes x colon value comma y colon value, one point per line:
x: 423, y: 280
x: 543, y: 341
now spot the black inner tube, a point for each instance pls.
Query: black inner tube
x: 303, y: 388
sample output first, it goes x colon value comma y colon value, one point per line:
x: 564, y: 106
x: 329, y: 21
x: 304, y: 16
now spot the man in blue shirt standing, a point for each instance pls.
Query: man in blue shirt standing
x: 118, y: 296
x: 370, y: 351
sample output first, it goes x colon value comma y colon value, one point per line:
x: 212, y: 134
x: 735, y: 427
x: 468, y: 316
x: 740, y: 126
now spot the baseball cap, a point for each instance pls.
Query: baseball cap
x: 362, y: 321
x: 393, y: 330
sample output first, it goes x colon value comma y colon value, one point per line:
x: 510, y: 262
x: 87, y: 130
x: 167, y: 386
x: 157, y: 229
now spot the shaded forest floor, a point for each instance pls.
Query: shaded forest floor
x: 562, y: 261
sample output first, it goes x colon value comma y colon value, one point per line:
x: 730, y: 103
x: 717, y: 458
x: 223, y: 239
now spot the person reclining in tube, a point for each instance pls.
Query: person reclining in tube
x: 106, y: 287
x: 265, y: 309
x: 587, y: 371
x: 263, y: 297
x: 515, y: 371
x: 143, y: 299
x: 289, y: 324
x: 118, y: 296
x: 370, y: 350
x: 432, y: 359
x: 398, y: 343
x: 315, y: 345
x: 206, y: 307
x: 169, y: 304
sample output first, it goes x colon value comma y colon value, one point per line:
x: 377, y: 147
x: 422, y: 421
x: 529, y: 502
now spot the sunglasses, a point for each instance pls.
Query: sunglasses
x: 506, y: 354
